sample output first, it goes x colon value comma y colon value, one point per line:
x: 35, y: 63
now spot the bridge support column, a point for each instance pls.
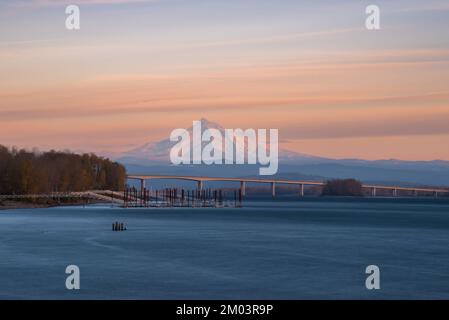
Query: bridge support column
x: 199, y: 185
x: 301, y: 190
x: 415, y: 193
x: 436, y: 194
x: 395, y: 192
x: 374, y: 192
x: 142, y: 184
x: 243, y: 188
x: 273, y: 189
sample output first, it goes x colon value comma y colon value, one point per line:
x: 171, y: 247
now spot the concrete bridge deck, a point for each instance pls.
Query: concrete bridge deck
x: 300, y: 183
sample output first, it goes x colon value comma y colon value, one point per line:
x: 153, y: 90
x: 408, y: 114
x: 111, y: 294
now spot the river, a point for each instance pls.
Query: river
x: 312, y: 248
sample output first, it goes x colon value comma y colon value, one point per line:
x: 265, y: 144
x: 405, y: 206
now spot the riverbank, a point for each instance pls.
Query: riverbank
x: 10, y: 204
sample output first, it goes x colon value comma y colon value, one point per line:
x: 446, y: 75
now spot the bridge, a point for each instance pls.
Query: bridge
x: 200, y: 180
x: 118, y: 197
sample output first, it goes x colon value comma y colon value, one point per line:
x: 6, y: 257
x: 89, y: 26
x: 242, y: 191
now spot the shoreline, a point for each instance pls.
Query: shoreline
x: 9, y: 205
x: 13, y: 205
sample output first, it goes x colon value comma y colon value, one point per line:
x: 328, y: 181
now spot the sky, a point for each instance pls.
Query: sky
x: 137, y: 69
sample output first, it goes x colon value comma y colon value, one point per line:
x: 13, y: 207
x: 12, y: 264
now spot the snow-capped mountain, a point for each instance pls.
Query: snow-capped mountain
x: 159, y: 152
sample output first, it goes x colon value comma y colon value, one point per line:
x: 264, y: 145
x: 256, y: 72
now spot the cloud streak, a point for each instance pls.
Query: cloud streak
x: 45, y: 3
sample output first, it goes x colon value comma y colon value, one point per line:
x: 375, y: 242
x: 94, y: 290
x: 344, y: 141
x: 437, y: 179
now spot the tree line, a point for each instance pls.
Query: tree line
x: 33, y: 172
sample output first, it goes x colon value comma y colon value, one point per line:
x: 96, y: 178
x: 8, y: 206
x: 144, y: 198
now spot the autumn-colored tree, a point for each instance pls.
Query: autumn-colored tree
x: 25, y: 172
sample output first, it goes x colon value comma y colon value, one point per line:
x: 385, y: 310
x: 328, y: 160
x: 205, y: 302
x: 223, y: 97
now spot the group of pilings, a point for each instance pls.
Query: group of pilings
x: 172, y: 197
x: 118, y: 226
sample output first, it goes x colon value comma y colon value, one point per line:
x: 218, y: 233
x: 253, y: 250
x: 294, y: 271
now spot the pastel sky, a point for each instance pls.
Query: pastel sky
x: 138, y: 69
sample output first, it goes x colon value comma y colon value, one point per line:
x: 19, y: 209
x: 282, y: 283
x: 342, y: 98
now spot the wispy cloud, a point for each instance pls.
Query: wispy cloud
x: 426, y: 7
x: 42, y: 3
x: 375, y: 122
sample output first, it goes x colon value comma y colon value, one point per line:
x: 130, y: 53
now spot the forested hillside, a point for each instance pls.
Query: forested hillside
x: 25, y: 172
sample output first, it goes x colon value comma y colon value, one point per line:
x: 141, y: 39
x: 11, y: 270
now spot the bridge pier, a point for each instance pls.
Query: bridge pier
x: 395, y: 192
x: 142, y: 184
x: 273, y: 189
x: 199, y: 185
x: 374, y: 192
x: 436, y: 194
x: 243, y: 188
x: 301, y: 190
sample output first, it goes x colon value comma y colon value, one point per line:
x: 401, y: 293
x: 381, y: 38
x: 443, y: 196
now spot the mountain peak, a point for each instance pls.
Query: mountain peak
x: 206, y: 124
x: 160, y: 151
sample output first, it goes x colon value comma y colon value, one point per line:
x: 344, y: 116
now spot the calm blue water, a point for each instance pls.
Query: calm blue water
x: 303, y: 249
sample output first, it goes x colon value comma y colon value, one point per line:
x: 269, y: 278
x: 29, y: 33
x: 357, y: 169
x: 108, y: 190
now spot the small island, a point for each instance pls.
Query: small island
x: 343, y: 187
